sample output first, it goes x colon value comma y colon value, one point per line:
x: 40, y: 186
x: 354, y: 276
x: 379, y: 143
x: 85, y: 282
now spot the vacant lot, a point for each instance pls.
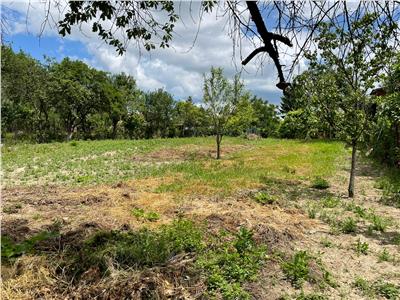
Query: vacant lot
x: 162, y: 219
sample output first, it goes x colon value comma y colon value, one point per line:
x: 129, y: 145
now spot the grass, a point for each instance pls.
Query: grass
x: 378, y: 288
x: 111, y: 161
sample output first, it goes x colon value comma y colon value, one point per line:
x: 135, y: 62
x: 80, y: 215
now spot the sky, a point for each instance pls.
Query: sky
x: 196, y: 46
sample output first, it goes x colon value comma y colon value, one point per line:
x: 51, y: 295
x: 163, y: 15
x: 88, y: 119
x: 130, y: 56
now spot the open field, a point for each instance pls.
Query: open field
x: 270, y: 220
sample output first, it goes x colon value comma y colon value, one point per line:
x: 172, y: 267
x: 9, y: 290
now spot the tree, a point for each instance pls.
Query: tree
x: 220, y: 98
x: 158, y: 114
x: 356, y: 54
x: 266, y: 121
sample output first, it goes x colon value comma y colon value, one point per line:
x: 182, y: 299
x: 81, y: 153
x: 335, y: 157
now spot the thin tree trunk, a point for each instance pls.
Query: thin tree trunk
x: 218, y: 146
x: 353, y: 168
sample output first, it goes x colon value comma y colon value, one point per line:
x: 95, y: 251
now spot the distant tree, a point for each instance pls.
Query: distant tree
x: 266, y: 120
x: 77, y: 91
x: 220, y: 98
x: 190, y: 119
x: 243, y: 116
x: 158, y: 113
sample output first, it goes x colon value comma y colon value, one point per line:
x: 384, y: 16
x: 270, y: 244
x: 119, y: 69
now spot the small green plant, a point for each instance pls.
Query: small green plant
x: 364, y: 286
x: 297, y: 269
x: 73, y: 144
x: 326, y: 243
x: 361, y: 247
x: 348, y: 225
x: 319, y: 183
x: 384, y: 256
x: 11, y: 250
x: 141, y: 214
x: 330, y: 202
x: 387, y: 290
x: 378, y: 223
x: 396, y: 239
x: 12, y: 209
x: 311, y: 296
x: 264, y: 198
x: 231, y: 263
x: 312, y: 212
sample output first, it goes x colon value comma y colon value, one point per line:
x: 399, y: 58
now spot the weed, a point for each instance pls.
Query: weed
x: 11, y: 250
x: 348, y: 225
x: 136, y: 249
x: 326, y: 243
x: 384, y: 289
x: 384, y: 256
x: 361, y: 247
x: 378, y: 223
x: 396, y: 239
x: 364, y: 286
x: 12, y: 209
x: 264, y: 198
x: 141, y: 214
x: 230, y: 264
x: 311, y: 296
x: 330, y: 202
x: 297, y: 270
x: 387, y: 290
x: 319, y: 183
x: 73, y: 144
x: 312, y: 212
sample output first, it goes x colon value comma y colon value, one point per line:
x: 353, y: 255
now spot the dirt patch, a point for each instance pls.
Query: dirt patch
x: 16, y: 229
x: 188, y: 152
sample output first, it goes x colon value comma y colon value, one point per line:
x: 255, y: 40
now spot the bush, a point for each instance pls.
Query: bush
x: 320, y: 183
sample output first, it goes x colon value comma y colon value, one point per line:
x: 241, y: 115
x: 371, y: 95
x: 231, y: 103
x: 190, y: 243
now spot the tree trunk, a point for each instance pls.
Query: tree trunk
x: 114, y: 130
x: 353, y: 168
x: 397, y: 137
x: 218, y: 146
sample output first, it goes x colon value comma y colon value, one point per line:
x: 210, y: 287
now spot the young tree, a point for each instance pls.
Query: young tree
x: 357, y: 54
x: 220, y: 97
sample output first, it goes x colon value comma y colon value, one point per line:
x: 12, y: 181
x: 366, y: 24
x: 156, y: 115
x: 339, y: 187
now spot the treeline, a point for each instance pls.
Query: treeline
x: 56, y: 101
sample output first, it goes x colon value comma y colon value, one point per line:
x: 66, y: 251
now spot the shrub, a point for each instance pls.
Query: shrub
x: 319, y: 183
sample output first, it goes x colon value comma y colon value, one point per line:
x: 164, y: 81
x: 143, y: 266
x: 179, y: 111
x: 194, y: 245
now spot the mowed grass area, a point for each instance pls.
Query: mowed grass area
x: 188, y: 160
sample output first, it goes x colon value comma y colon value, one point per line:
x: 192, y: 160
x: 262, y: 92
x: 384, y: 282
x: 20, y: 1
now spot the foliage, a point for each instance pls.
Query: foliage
x: 56, y: 101
x: 136, y: 249
x: 297, y: 270
x: 348, y: 225
x: 320, y: 183
x: 231, y: 263
x: 11, y: 250
x: 264, y: 198
x: 361, y: 247
x: 141, y: 214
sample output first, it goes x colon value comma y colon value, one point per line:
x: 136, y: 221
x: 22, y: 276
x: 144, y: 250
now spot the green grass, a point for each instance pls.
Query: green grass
x: 111, y: 161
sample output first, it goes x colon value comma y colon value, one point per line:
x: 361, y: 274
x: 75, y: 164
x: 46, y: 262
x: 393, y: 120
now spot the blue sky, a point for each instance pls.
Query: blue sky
x: 177, y: 70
